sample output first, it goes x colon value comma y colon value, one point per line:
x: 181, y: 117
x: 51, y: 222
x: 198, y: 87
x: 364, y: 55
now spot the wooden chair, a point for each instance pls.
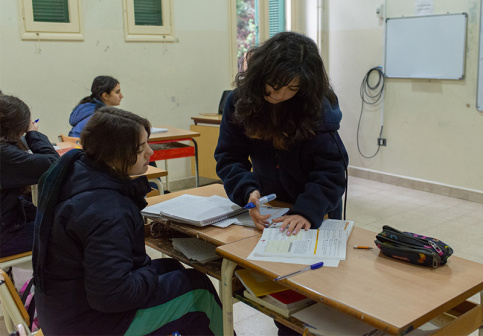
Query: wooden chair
x: 65, y: 138
x: 13, y: 309
x: 15, y: 259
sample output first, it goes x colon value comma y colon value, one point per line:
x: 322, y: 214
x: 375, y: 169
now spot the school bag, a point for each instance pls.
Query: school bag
x: 28, y: 299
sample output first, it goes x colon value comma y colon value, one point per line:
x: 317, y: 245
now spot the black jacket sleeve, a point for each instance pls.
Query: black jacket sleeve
x: 232, y: 158
x: 20, y: 168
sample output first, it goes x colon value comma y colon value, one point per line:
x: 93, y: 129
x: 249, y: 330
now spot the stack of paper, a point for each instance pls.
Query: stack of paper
x: 257, y: 284
x: 321, y: 319
x: 327, y: 244
x: 196, y: 249
x: 158, y: 130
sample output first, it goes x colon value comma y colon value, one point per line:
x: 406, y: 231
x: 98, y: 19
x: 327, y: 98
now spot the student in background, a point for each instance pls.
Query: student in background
x: 89, y: 244
x: 106, y: 91
x: 282, y: 121
x: 19, y: 170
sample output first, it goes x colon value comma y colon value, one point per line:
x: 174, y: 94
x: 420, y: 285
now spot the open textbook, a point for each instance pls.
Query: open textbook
x: 202, y: 211
x: 327, y: 243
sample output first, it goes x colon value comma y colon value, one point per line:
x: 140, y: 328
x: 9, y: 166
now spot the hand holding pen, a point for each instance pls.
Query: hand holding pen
x: 33, y: 126
x: 261, y: 200
x: 260, y: 221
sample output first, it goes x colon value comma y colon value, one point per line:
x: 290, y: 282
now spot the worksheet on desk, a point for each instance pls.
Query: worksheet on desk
x: 245, y: 219
x: 306, y: 247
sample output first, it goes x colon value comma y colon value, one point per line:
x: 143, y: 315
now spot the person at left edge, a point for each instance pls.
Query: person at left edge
x: 91, y: 272
x: 19, y: 170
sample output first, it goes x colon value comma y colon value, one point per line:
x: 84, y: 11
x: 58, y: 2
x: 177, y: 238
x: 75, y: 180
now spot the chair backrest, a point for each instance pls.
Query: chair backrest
x: 15, y: 259
x: 66, y: 138
x: 13, y: 310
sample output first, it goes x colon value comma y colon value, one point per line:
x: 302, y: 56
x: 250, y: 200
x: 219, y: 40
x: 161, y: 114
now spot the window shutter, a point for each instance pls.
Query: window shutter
x: 148, y: 13
x: 276, y: 17
x: 51, y: 10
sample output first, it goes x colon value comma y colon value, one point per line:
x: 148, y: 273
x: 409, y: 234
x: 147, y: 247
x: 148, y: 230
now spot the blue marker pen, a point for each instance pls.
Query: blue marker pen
x: 36, y: 121
x: 261, y: 200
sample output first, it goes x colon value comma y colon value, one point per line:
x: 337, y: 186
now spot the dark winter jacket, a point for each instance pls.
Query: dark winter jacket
x: 310, y: 175
x: 18, y: 170
x: 81, y: 115
x: 97, y: 271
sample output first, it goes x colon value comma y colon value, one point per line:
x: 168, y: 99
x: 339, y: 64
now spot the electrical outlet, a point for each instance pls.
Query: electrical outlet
x: 381, y: 141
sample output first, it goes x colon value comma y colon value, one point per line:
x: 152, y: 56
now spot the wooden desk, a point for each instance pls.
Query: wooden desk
x: 153, y: 174
x: 207, y: 118
x: 388, y: 294
x: 212, y: 234
x: 208, y: 126
x: 167, y: 145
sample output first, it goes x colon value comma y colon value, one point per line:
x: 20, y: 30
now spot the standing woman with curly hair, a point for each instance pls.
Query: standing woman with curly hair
x: 282, y: 121
x: 105, y: 91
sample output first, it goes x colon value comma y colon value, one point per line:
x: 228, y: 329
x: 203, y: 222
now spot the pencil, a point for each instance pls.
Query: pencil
x: 362, y: 247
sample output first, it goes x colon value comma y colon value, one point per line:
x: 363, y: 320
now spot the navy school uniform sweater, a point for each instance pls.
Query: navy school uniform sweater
x: 310, y: 175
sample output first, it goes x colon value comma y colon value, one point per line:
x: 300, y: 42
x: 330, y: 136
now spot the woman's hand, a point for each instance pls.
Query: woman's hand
x: 292, y: 223
x: 260, y: 221
x: 33, y: 126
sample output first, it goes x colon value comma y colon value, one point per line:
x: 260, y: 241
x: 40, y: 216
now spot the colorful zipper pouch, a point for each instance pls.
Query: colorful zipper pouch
x: 412, y: 247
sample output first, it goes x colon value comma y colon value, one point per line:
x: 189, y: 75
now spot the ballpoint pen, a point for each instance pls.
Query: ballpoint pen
x: 36, y: 121
x: 261, y: 200
x: 308, y: 268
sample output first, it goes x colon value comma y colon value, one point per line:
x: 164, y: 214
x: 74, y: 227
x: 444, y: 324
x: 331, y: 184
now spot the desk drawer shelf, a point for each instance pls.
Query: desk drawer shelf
x: 170, y: 150
x: 211, y: 268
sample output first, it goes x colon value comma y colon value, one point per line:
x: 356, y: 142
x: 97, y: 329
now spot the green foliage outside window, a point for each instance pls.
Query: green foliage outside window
x: 246, y: 28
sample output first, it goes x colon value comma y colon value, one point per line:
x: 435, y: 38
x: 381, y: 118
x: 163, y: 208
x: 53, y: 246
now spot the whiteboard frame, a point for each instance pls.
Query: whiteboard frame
x: 431, y: 55
x: 479, y: 86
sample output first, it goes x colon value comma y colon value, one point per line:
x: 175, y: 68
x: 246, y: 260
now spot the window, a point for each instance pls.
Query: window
x: 148, y: 20
x: 51, y: 19
x: 253, y: 21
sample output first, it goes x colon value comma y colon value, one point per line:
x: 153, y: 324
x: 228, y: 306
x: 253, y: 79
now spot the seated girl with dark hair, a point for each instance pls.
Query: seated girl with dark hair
x: 19, y: 170
x: 105, y: 91
x: 91, y: 270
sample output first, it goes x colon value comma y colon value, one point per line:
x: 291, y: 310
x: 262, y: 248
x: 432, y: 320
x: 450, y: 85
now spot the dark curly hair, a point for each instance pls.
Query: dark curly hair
x: 281, y: 59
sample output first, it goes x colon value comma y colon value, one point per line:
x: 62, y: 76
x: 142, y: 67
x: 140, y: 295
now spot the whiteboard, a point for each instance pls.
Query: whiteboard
x: 479, y: 93
x: 426, y: 46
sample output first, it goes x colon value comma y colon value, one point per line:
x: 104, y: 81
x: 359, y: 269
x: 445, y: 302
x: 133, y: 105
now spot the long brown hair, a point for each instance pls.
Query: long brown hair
x: 14, y: 120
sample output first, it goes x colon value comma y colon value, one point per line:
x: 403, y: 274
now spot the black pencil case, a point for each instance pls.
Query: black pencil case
x: 412, y: 247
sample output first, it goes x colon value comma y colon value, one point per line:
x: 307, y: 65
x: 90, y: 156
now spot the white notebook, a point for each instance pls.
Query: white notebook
x: 196, y: 210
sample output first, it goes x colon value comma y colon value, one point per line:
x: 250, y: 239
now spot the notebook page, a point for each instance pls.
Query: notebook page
x: 202, y: 210
x: 169, y: 205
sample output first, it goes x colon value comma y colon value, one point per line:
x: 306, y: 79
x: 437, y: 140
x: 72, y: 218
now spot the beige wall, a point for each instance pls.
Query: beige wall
x: 165, y: 82
x: 433, y: 130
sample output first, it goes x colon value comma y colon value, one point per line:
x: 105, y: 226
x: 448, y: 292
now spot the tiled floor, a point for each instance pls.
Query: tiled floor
x: 373, y: 204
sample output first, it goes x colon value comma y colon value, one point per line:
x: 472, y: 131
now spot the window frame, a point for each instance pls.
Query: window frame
x: 138, y: 33
x: 32, y: 30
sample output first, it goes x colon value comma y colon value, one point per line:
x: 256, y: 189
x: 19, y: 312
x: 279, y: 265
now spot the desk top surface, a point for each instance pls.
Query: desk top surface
x: 379, y: 290
x: 173, y: 133
x: 215, y: 235
x: 152, y: 172
x: 207, y: 118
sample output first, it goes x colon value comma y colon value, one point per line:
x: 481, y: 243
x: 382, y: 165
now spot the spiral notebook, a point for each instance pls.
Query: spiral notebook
x: 199, y: 211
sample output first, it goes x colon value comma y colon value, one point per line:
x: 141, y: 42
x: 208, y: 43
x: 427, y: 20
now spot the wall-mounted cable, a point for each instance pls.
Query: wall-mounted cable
x: 371, y: 94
